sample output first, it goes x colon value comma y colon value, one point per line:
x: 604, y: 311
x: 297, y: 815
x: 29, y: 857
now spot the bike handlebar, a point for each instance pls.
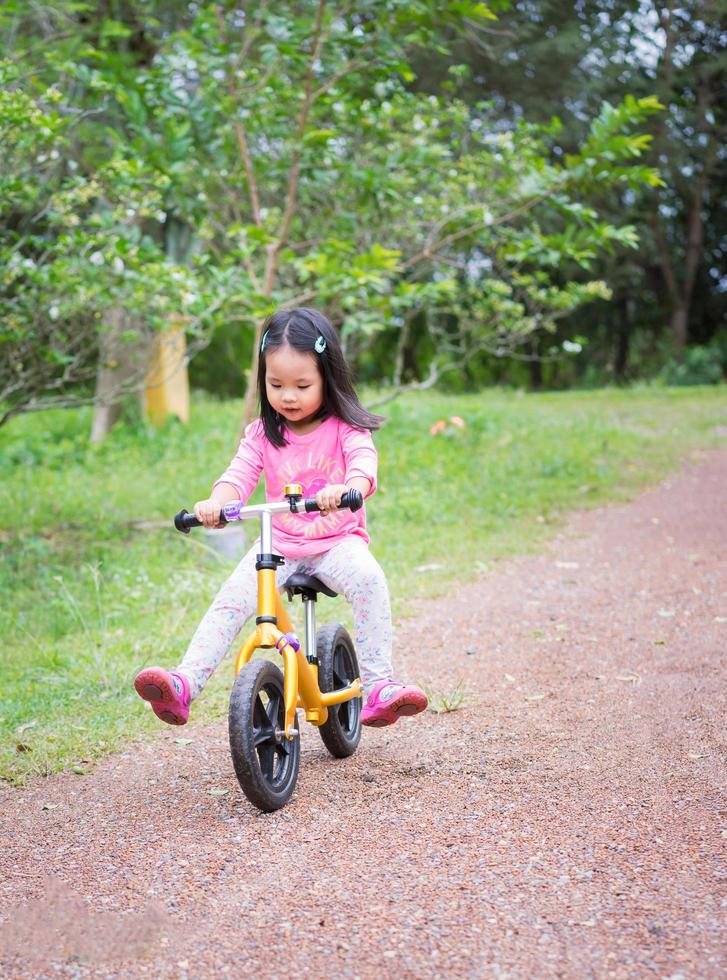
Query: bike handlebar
x: 234, y: 511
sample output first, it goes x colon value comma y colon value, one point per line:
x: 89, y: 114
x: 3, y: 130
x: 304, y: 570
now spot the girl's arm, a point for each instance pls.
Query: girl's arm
x: 359, y: 483
x: 360, y: 460
x: 239, y: 479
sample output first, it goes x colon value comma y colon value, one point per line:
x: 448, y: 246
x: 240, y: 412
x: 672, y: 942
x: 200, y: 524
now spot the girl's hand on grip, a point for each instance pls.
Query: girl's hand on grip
x: 208, y: 511
x: 329, y: 497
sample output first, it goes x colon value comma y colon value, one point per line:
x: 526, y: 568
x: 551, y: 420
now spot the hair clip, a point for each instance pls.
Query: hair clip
x: 320, y: 344
x: 262, y: 342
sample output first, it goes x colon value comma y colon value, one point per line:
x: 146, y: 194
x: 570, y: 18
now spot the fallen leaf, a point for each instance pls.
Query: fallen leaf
x: 567, y: 564
x: 217, y: 792
x: 184, y: 741
x: 600, y: 677
x: 695, y: 755
x: 509, y: 678
x: 23, y: 747
x: 79, y: 770
x: 29, y: 724
x: 428, y: 568
x: 534, y: 697
x: 666, y: 613
x: 720, y: 619
x: 50, y: 806
x: 659, y: 643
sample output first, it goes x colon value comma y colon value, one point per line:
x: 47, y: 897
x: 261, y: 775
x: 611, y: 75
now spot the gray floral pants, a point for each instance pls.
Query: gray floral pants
x: 349, y: 569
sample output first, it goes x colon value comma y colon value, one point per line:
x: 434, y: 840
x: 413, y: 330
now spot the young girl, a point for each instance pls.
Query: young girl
x: 314, y: 431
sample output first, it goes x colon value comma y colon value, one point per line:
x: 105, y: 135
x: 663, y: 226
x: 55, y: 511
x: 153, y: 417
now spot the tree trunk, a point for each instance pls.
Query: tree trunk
x: 167, y: 382
x: 535, y: 365
x: 122, y: 366
x: 623, y: 331
x: 679, y: 324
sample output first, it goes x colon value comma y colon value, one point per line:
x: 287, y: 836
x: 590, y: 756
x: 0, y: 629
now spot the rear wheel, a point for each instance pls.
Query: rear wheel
x: 265, y: 761
x: 337, y: 667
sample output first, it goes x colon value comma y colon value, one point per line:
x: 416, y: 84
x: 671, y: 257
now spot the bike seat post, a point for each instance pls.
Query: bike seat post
x: 309, y: 607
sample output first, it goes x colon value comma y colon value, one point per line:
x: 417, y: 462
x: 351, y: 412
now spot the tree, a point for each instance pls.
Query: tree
x: 545, y: 55
x: 292, y: 156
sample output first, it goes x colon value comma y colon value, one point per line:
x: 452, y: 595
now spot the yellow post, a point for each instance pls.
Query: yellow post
x: 167, y: 383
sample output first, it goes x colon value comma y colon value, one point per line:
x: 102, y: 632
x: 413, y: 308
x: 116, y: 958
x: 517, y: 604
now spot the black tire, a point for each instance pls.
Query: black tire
x: 337, y: 667
x: 266, y: 765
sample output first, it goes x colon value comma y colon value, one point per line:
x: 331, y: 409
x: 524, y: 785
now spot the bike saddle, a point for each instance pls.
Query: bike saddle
x: 306, y: 585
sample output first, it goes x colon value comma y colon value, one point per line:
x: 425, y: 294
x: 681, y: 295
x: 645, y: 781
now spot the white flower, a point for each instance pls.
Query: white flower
x: 418, y: 124
x: 54, y: 312
x: 96, y: 258
x: 572, y: 346
x: 117, y: 265
x: 189, y: 298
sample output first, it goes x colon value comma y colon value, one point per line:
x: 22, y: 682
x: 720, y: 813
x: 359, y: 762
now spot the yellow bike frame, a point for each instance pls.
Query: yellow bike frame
x: 300, y: 677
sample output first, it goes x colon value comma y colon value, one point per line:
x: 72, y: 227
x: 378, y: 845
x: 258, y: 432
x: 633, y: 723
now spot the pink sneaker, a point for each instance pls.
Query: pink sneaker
x: 389, y: 700
x: 167, y: 693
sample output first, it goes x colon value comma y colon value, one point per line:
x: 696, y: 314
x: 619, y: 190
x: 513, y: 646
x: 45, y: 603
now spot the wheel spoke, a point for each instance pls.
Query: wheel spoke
x: 341, y: 669
x: 262, y: 729
x: 273, y: 708
x: 266, y: 755
x: 263, y: 736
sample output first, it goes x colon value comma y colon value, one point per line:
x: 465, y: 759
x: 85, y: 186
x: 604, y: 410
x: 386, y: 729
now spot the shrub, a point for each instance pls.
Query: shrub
x: 699, y: 366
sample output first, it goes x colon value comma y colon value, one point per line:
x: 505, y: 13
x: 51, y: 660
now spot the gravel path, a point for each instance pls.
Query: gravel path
x: 568, y: 821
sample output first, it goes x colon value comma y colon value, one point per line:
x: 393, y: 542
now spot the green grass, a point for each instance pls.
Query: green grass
x: 88, y: 598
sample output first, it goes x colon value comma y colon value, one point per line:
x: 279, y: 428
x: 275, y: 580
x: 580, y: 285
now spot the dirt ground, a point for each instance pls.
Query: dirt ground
x: 567, y: 821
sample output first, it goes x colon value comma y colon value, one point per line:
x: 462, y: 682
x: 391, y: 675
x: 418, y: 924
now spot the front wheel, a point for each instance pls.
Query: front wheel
x: 266, y: 762
x: 337, y: 667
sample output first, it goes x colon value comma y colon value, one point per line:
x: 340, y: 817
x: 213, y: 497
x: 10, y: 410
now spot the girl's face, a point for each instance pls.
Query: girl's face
x: 294, y: 386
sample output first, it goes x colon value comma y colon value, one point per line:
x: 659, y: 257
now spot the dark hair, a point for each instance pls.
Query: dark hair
x: 302, y: 329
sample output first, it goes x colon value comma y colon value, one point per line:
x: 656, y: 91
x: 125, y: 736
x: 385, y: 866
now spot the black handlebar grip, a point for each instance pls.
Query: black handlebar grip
x: 351, y: 500
x: 184, y: 520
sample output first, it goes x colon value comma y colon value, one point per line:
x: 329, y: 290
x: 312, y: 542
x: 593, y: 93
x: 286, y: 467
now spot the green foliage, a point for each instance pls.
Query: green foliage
x: 698, y: 366
x: 74, y: 246
x: 208, y: 167
x: 94, y: 589
x: 591, y: 58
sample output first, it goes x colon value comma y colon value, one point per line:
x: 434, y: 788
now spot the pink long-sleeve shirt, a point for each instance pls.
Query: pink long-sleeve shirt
x: 335, y: 452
